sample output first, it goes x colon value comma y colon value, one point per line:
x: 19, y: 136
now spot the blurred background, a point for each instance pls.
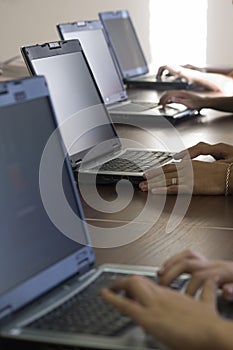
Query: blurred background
x: 170, y: 31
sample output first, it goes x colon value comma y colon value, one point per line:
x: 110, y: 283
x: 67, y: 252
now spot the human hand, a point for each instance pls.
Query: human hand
x: 174, y: 319
x: 189, y: 72
x: 219, y: 151
x: 175, y: 69
x: 170, y: 69
x: 195, y: 177
x: 189, y: 99
x: 200, y: 270
x: 211, y: 81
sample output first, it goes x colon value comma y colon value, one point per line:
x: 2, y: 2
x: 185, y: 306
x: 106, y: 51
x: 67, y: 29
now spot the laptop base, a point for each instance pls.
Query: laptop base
x: 156, y: 85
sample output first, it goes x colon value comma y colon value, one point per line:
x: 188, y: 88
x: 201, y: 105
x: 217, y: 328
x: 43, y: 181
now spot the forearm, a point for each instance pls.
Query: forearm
x: 212, y: 81
x: 221, y: 70
x: 224, y: 104
x: 223, y: 335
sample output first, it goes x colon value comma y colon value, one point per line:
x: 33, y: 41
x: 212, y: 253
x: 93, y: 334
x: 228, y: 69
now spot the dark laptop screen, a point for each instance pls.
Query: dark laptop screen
x: 29, y: 241
x: 124, y: 41
x: 77, y: 102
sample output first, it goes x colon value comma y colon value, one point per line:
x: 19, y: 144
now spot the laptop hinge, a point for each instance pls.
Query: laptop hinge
x: 83, y: 262
x: 116, y: 147
x: 3, y: 89
x: 5, y: 310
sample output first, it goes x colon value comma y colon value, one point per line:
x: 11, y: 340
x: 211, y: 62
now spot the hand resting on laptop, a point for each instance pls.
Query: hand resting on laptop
x: 175, y: 319
x: 213, y: 80
x: 194, y: 176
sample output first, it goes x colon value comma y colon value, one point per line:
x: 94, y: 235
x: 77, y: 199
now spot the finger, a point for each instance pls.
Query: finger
x: 161, y: 181
x: 186, y: 254
x: 193, y: 285
x: 123, y: 304
x: 159, y: 191
x: 227, y: 291
x: 198, y: 279
x: 168, y: 168
x: 182, y: 154
x: 160, y: 71
x: 138, y: 313
x: 136, y: 287
x: 143, y: 186
x: 202, y: 148
x: 172, y: 190
x: 181, y: 266
x: 208, y: 293
x: 165, y: 181
x: 176, y: 96
x: 166, y: 98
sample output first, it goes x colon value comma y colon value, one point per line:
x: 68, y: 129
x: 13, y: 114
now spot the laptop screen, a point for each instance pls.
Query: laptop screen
x: 29, y: 241
x: 79, y: 107
x: 126, y: 47
x: 92, y: 39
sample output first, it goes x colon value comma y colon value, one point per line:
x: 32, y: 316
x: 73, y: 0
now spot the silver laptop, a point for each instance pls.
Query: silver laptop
x: 88, y: 132
x: 92, y: 37
x: 129, y: 56
x: 49, y: 290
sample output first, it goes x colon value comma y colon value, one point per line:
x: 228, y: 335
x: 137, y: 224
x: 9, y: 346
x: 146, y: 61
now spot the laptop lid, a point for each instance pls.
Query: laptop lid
x: 125, y: 44
x: 27, y: 232
x: 76, y: 98
x: 92, y: 38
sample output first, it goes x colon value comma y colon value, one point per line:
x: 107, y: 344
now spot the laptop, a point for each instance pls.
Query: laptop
x: 125, y: 45
x: 87, y: 129
x: 49, y: 291
x: 93, y: 40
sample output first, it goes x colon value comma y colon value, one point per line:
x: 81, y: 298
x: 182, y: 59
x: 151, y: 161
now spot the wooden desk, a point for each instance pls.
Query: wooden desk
x: 207, y: 225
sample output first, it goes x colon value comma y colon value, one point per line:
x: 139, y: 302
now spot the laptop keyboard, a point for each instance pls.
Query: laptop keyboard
x: 87, y: 313
x: 225, y: 307
x: 136, y: 161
